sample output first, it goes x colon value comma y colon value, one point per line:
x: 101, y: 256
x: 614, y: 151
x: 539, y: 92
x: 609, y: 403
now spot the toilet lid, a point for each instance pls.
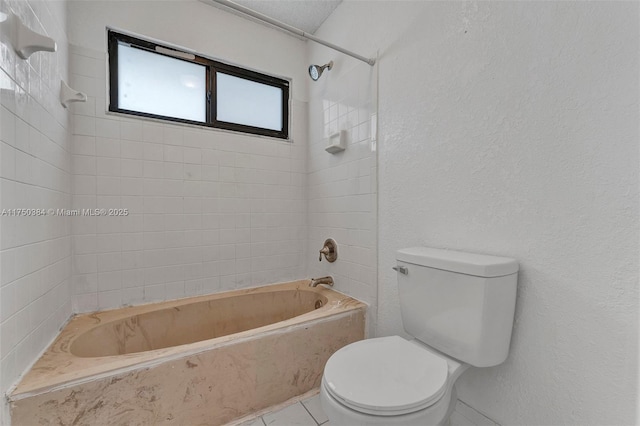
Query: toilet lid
x: 386, y: 376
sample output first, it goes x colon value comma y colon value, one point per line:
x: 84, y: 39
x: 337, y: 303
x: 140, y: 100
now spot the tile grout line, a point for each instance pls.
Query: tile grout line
x: 309, y: 412
x: 464, y: 417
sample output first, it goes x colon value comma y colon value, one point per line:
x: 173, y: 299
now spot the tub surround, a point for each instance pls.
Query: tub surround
x: 204, y: 382
x: 206, y: 206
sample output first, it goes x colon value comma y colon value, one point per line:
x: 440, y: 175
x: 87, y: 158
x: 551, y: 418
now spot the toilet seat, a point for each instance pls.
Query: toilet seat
x: 386, y: 376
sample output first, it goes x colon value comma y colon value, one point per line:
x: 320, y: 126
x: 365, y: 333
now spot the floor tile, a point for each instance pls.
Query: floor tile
x: 293, y: 415
x: 255, y: 422
x: 474, y: 416
x: 315, y: 409
x: 458, y: 419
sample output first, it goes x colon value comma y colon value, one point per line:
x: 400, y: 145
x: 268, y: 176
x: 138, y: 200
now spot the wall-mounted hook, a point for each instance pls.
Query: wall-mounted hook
x: 68, y: 95
x: 25, y: 41
x: 330, y: 250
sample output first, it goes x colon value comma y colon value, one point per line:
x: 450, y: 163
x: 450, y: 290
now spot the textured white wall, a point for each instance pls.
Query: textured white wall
x: 35, y: 173
x: 210, y: 210
x: 511, y: 128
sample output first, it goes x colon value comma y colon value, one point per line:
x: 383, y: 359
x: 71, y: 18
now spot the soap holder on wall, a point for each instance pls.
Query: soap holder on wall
x: 68, y: 95
x: 25, y: 41
x: 337, y: 142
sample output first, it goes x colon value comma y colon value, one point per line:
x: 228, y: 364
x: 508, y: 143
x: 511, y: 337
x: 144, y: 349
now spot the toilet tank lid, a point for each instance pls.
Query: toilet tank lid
x: 480, y: 265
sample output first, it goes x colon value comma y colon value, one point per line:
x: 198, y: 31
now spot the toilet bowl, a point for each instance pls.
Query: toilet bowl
x: 459, y: 309
x: 389, y: 380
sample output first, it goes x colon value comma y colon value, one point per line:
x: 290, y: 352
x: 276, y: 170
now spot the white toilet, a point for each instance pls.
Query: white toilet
x: 459, y: 308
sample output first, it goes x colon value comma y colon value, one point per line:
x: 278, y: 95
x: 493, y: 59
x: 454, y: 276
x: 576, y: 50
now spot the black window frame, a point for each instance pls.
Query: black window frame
x: 212, y: 68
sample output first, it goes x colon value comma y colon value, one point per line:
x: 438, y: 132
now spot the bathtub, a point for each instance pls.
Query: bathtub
x: 199, y: 361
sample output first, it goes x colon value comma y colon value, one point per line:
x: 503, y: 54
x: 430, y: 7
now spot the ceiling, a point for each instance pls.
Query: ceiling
x: 306, y: 15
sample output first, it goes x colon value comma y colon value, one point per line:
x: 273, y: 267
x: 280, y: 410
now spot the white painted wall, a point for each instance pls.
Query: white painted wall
x: 211, y: 210
x: 511, y: 128
x: 35, y: 173
x: 341, y: 188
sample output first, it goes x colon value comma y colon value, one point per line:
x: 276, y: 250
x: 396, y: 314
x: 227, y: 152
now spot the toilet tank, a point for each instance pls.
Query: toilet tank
x: 461, y: 304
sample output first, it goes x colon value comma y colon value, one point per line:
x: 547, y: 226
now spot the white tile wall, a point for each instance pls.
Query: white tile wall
x: 209, y: 210
x: 341, y: 192
x: 35, y: 172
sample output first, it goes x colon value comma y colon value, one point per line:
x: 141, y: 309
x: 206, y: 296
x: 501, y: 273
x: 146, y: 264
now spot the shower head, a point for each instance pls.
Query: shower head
x: 315, y: 71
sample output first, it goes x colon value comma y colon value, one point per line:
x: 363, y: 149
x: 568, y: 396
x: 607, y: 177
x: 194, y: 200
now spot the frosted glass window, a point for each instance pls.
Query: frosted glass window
x: 156, y: 84
x: 248, y: 103
x: 151, y: 80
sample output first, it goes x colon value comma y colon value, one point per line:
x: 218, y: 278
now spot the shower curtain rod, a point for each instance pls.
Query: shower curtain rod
x: 289, y: 28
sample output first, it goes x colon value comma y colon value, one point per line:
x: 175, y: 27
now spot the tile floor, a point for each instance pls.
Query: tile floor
x: 308, y: 412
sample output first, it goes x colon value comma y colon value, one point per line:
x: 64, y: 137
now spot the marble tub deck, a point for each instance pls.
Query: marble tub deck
x: 208, y: 382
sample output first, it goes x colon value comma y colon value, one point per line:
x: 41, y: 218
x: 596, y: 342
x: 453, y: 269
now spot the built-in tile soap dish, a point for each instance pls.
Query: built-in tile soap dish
x: 337, y: 142
x: 68, y: 95
x: 25, y: 41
